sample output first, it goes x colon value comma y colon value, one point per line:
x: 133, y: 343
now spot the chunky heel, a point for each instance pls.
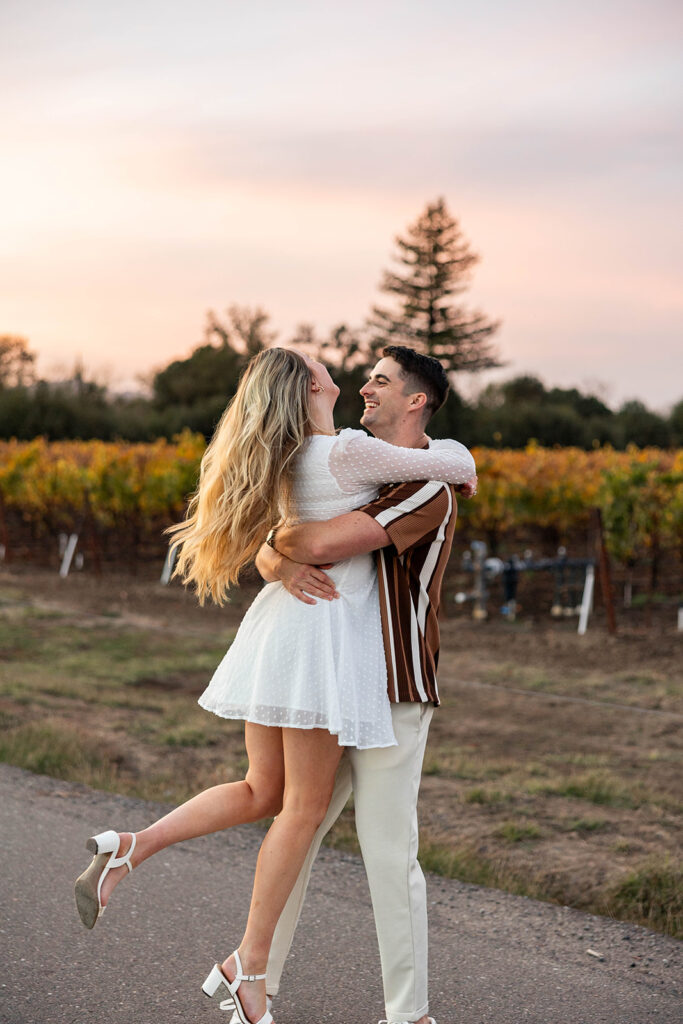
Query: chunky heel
x: 216, y: 978
x: 105, y: 842
x: 105, y: 848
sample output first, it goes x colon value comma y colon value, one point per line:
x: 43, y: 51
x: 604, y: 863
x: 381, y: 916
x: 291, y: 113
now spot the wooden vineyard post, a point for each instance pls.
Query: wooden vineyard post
x: 479, y: 611
x: 91, y: 533
x: 586, y: 600
x: 169, y: 564
x: 604, y: 570
x: 68, y: 555
x: 4, y: 536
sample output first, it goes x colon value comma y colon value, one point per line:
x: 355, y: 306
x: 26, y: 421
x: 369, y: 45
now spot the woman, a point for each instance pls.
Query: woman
x: 308, y: 680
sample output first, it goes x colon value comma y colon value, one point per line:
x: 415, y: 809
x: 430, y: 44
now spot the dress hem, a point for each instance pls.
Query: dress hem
x: 291, y: 725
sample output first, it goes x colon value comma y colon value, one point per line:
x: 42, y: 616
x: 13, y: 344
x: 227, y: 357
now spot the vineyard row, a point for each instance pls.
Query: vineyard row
x: 59, y: 486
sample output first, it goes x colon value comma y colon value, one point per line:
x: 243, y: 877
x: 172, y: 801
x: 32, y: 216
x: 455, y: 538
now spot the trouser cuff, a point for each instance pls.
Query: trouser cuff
x: 401, y: 1017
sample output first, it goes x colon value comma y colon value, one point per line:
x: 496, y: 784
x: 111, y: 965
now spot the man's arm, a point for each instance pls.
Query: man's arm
x: 354, y: 533
x: 319, y: 543
x: 322, y: 543
x: 413, y: 513
x: 331, y: 540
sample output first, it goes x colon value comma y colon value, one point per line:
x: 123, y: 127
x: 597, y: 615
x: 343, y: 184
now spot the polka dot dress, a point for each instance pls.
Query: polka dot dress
x: 323, y: 665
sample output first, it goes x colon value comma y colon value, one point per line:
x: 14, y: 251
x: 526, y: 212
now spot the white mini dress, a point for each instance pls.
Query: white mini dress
x: 322, y: 666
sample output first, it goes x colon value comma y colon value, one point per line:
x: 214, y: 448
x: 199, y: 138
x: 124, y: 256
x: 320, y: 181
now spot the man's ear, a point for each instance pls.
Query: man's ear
x: 418, y: 401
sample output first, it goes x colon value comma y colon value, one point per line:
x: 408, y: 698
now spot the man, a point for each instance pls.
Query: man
x: 410, y: 527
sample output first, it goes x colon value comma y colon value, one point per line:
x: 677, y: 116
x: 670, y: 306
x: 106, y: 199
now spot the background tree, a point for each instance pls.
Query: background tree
x: 245, y: 330
x: 193, y: 392
x: 511, y: 413
x: 306, y: 339
x: 17, y: 364
x: 676, y: 425
x: 75, y: 408
x: 435, y: 266
x: 639, y: 426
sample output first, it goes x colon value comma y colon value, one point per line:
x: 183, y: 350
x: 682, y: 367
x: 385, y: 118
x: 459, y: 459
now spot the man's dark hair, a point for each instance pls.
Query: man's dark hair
x: 421, y: 373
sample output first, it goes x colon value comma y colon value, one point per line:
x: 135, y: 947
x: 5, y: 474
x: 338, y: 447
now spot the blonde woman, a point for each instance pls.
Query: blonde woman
x: 307, y: 680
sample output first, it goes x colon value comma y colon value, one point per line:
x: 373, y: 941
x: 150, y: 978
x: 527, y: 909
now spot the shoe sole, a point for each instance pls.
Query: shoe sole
x: 85, y: 889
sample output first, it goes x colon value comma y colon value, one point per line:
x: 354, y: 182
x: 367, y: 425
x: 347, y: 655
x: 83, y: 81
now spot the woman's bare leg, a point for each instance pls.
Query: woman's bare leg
x: 259, y: 795
x: 311, y: 758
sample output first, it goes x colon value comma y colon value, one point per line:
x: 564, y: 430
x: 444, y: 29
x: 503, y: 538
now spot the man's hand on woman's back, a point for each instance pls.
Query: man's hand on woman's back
x: 306, y: 582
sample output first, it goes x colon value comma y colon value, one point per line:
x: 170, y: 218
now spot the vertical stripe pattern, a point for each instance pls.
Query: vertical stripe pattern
x: 420, y: 521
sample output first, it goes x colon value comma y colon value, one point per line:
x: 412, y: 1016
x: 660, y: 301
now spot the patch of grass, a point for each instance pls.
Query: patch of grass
x: 523, y: 677
x: 585, y: 825
x: 164, y: 684
x: 188, y: 736
x: 46, y: 614
x: 596, y: 787
x: 16, y: 638
x: 640, y: 679
x: 665, y: 756
x: 18, y: 698
x: 479, y: 795
x: 652, y: 896
x: 517, y: 832
x: 143, y: 729
x: 582, y: 760
x: 7, y: 720
x: 441, y: 762
x: 468, y: 865
x: 127, y: 704
x: 540, y: 682
x: 600, y: 789
x: 61, y: 751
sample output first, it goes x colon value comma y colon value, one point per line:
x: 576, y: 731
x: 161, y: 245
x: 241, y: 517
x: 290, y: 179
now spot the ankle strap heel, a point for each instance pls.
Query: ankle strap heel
x: 88, y: 891
x: 216, y: 978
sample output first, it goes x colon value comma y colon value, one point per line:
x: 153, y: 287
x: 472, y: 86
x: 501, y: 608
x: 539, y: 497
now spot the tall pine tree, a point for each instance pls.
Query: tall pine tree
x: 436, y: 262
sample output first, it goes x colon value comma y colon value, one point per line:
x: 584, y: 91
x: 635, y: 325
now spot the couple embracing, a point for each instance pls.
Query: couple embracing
x: 333, y: 672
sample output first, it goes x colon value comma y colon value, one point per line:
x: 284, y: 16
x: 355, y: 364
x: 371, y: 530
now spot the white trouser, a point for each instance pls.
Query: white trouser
x: 385, y: 783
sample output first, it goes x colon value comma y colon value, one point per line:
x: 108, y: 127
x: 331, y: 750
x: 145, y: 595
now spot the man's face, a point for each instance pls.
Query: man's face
x: 386, y: 404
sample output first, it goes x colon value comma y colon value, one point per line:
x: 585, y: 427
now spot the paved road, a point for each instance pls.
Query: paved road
x: 495, y: 959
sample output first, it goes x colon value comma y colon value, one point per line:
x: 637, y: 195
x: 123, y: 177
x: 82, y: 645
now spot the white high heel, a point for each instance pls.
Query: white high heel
x: 105, y: 847
x: 216, y: 978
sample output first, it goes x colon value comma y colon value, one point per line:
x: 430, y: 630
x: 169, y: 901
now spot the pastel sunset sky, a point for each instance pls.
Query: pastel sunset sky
x: 163, y: 158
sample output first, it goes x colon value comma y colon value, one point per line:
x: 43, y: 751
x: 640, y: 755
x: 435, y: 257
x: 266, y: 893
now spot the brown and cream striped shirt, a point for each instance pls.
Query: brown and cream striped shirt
x: 419, y: 518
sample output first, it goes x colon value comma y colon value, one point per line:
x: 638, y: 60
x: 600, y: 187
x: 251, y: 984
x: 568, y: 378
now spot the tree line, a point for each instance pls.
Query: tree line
x: 433, y: 266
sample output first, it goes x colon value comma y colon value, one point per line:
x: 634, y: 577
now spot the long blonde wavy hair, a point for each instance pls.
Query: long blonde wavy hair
x: 245, y: 480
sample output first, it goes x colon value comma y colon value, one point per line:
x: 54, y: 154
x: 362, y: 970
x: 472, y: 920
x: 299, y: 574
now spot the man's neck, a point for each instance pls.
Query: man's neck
x: 403, y: 436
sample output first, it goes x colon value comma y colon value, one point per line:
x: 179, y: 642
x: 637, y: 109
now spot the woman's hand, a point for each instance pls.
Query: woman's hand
x: 469, y: 489
x: 306, y: 581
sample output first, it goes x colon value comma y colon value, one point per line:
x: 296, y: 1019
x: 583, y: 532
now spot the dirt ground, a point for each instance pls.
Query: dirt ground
x: 553, y: 767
